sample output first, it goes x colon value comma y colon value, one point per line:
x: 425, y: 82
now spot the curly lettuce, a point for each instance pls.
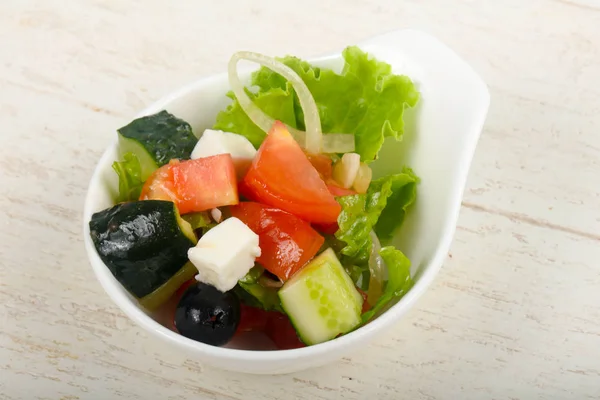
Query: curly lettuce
x: 200, y: 222
x: 130, y: 177
x: 365, y: 99
x: 398, y: 283
x: 381, y: 209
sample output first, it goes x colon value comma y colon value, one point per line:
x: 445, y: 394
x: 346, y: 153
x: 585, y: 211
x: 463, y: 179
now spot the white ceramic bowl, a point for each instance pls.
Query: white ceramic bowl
x: 440, y: 139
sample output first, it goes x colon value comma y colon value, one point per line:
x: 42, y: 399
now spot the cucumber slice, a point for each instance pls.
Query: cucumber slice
x: 321, y: 300
x: 164, y: 292
x: 157, y: 139
x: 143, y: 243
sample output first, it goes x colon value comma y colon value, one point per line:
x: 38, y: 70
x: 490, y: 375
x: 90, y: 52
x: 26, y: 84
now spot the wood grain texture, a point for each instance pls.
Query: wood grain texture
x: 515, y: 312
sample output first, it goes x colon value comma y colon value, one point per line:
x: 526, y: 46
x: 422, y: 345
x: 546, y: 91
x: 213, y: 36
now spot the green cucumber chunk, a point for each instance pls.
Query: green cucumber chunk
x: 164, y: 292
x: 143, y: 243
x: 157, y: 139
x: 321, y: 300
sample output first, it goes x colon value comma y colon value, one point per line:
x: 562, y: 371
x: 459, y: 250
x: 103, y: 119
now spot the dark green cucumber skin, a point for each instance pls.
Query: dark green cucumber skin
x: 141, y: 243
x: 163, y: 135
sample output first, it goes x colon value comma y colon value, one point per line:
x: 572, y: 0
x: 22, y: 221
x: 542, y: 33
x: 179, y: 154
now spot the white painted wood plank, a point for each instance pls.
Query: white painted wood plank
x: 515, y: 312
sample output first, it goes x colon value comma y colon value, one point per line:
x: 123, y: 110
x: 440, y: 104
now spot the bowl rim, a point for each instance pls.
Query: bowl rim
x: 378, y: 325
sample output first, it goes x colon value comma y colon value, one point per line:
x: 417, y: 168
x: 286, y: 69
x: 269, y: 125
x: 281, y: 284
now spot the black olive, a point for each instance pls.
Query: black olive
x: 207, y: 315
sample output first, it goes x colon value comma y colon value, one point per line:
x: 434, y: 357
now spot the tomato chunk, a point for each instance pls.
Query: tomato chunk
x: 366, y: 306
x: 252, y: 319
x: 275, y: 325
x: 282, y: 176
x: 322, y: 163
x: 286, y: 241
x: 280, y: 330
x: 194, y: 185
x: 159, y: 185
x: 328, y: 229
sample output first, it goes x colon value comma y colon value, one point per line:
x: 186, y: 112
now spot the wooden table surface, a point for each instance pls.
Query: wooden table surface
x: 515, y: 311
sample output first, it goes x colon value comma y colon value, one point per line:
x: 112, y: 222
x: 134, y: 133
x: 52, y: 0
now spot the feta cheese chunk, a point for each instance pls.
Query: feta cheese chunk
x: 212, y: 143
x: 225, y: 254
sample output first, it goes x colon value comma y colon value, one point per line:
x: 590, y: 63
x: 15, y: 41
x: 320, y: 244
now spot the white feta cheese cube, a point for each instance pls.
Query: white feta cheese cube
x: 225, y: 254
x: 214, y: 142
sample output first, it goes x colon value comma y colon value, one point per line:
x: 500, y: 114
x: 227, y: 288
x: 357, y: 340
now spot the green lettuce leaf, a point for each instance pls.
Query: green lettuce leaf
x: 359, y: 215
x: 403, y: 194
x: 130, y: 177
x: 251, y: 292
x: 200, y: 221
x: 359, y: 273
x: 276, y: 102
x: 382, y: 209
x: 399, y: 280
x: 366, y: 99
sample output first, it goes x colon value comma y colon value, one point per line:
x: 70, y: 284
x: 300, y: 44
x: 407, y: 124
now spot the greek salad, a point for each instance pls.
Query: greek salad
x: 271, y: 221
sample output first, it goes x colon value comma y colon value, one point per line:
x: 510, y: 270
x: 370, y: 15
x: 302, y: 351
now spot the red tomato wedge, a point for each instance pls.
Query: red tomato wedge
x: 286, y: 242
x: 282, y: 176
x: 159, y: 185
x: 328, y: 229
x: 366, y: 306
x: 244, y: 191
x: 252, y: 319
x: 194, y: 185
x: 322, y: 163
x: 280, y: 330
x: 275, y: 325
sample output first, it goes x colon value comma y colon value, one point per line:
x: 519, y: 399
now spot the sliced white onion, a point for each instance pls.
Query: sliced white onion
x: 332, y: 142
x: 345, y: 170
x: 216, y: 214
x: 312, y: 120
x: 338, y: 143
x: 378, y: 271
x: 363, y: 178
